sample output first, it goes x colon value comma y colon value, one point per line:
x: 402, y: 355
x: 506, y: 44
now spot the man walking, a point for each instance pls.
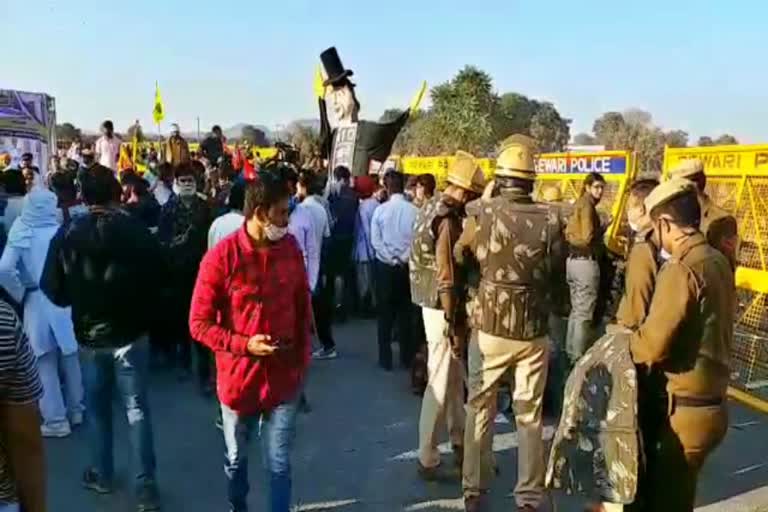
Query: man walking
x: 344, y: 204
x: 309, y: 189
x: 391, y: 237
x: 585, y: 246
x: 718, y: 226
x: 22, y: 459
x: 251, y: 307
x: 176, y: 148
x: 102, y: 265
x: 183, y: 230
x: 688, y: 333
x: 363, y: 252
x: 519, y: 247
x: 438, y: 288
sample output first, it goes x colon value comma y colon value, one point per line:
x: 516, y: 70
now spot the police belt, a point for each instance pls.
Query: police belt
x: 688, y: 401
x: 580, y: 253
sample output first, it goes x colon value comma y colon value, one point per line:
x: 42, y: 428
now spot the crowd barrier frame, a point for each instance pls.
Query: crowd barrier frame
x: 563, y: 170
x: 737, y: 180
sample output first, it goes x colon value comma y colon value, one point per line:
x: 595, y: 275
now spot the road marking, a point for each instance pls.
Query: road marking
x: 748, y: 469
x: 455, y: 504
x: 325, y: 505
x: 501, y: 442
x: 743, y: 425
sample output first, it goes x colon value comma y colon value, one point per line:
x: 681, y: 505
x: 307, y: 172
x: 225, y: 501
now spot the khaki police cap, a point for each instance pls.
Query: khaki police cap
x: 670, y: 189
x: 517, y: 138
x: 687, y: 168
x: 516, y: 161
x: 465, y: 173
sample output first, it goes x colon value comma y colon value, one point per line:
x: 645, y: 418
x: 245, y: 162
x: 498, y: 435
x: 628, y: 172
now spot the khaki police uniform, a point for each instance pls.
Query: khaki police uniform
x: 639, y: 281
x: 585, y: 239
x: 719, y: 226
x: 688, y: 334
x: 437, y: 286
x: 519, y: 247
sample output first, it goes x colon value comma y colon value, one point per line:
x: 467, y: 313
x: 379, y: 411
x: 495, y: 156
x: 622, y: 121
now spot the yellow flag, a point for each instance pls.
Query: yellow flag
x: 317, y: 83
x: 135, y: 141
x: 158, y: 113
x: 416, y: 100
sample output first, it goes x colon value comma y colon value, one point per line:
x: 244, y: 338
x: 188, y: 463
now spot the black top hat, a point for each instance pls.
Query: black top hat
x: 334, y: 69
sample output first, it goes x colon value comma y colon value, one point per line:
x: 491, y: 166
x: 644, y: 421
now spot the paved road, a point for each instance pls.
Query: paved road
x: 354, y: 451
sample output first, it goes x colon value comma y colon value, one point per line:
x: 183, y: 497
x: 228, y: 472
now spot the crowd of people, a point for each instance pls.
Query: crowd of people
x: 483, y: 288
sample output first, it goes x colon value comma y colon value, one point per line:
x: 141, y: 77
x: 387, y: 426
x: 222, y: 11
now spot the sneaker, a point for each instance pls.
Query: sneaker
x: 60, y: 429
x: 76, y: 419
x: 304, y: 406
x: 458, y: 457
x: 149, y: 499
x: 323, y: 353
x: 438, y: 473
x: 93, y: 482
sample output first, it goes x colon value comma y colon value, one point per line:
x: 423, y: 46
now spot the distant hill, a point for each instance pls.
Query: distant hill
x: 233, y: 132
x: 236, y: 131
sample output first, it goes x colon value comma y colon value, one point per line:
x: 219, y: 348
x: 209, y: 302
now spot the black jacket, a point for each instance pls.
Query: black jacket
x: 147, y: 210
x: 212, y: 148
x: 107, y: 266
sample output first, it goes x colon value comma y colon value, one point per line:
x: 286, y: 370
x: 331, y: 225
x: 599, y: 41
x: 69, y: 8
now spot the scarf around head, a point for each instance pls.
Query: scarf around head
x: 39, y: 210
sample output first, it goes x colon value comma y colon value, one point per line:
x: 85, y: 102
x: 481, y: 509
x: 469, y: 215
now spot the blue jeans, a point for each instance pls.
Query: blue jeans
x: 584, y: 282
x: 127, y: 368
x: 277, y: 429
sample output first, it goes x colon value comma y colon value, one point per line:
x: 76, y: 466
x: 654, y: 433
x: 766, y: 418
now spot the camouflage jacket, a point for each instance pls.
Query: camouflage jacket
x: 596, y: 449
x: 521, y: 253
x: 422, y: 262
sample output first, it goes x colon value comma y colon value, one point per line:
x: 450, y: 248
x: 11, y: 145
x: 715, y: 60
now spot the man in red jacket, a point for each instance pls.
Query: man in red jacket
x: 251, y: 307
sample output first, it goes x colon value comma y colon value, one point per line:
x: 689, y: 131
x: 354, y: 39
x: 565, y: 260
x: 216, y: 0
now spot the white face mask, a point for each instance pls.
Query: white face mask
x: 186, y: 189
x: 275, y: 233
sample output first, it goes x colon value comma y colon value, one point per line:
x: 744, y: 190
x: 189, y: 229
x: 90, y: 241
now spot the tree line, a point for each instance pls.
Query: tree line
x: 467, y: 113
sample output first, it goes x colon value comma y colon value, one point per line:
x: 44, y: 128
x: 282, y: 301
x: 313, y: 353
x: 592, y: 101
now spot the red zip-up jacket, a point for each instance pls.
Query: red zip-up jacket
x: 242, y: 291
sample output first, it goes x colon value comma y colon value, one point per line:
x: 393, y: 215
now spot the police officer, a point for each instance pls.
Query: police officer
x: 519, y: 246
x: 585, y: 249
x: 688, y: 334
x: 437, y: 285
x: 718, y: 226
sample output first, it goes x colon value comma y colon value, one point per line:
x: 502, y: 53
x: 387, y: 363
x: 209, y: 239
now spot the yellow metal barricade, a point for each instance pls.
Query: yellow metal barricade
x: 436, y: 166
x: 567, y: 172
x: 737, y: 180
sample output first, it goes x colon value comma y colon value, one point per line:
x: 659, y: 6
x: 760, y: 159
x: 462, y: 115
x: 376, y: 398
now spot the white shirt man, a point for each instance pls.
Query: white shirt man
x: 107, y: 151
x: 363, y: 252
x: 230, y: 222
x: 224, y: 226
x: 392, y: 230
x: 320, y: 217
x: 301, y: 226
x: 391, y: 236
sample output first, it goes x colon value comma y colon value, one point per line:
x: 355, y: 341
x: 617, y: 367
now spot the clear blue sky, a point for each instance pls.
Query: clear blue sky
x: 697, y: 66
